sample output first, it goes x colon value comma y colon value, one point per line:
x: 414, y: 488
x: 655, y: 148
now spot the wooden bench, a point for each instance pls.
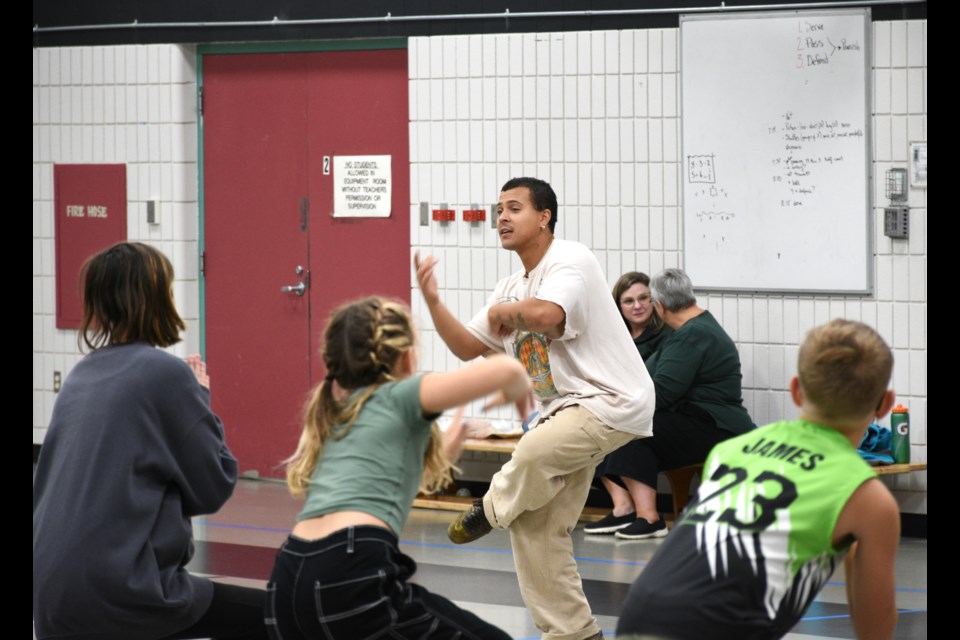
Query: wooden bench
x: 679, y: 480
x: 893, y: 469
x: 490, y: 445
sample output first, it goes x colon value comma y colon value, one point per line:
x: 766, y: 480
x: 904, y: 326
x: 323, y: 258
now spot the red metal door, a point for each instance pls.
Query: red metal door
x: 358, y: 107
x: 255, y: 177
x: 269, y: 121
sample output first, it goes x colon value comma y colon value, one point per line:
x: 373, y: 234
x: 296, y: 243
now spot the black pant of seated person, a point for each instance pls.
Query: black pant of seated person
x: 679, y: 439
x: 235, y: 613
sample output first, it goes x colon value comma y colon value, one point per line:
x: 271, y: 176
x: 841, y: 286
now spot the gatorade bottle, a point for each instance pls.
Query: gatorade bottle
x: 900, y: 433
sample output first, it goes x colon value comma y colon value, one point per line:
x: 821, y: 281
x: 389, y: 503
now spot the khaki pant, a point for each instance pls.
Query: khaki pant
x: 538, y: 495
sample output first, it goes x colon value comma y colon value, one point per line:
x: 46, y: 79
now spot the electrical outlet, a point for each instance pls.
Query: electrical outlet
x: 56, y: 382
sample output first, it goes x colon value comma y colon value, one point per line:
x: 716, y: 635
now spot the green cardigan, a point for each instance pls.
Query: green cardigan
x: 649, y: 341
x: 699, y: 365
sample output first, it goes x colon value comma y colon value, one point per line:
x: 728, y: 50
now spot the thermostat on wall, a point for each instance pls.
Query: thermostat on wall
x: 896, y: 222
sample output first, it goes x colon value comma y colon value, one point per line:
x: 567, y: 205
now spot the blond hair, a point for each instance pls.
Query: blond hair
x: 844, y: 368
x: 361, y: 345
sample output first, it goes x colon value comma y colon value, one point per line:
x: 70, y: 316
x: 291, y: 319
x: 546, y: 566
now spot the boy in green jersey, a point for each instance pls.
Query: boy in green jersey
x: 779, y: 507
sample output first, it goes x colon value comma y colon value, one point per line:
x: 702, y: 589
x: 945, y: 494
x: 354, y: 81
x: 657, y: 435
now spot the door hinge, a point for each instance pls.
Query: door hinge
x: 304, y: 212
x: 200, y: 100
x: 203, y: 263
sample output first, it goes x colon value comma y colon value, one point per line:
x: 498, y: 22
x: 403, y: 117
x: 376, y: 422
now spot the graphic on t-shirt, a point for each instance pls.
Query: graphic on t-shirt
x: 533, y: 352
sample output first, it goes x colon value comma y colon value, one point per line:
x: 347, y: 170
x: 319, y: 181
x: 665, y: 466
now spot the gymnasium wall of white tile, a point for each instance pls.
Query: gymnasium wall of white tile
x: 125, y: 104
x: 595, y: 113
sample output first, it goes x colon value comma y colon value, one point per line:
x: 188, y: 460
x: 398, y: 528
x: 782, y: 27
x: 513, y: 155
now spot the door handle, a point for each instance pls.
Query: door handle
x: 298, y: 288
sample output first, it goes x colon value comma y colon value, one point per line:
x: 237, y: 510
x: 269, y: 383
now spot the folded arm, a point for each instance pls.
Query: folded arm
x: 532, y: 314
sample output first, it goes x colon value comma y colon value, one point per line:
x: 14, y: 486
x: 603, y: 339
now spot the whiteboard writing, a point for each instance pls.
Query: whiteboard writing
x: 775, y: 138
x: 814, y: 46
x: 700, y: 169
x: 811, y: 150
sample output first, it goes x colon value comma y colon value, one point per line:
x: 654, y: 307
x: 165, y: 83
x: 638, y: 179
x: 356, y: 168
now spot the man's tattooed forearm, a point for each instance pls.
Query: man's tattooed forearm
x: 510, y: 320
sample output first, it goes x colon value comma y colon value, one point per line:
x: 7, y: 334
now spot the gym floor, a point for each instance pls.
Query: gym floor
x: 238, y: 544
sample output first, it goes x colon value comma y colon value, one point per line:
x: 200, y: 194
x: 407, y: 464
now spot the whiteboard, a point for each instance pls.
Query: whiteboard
x: 775, y: 138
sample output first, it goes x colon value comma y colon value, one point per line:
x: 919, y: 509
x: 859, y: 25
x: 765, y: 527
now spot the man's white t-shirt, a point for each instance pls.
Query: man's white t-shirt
x: 595, y: 363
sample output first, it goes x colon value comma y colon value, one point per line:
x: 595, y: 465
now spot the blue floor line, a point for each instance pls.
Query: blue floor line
x: 809, y: 619
x: 847, y: 615
x: 901, y: 589
x: 834, y: 617
x: 441, y: 545
x: 905, y: 590
x: 419, y: 543
x: 251, y: 527
x: 628, y: 563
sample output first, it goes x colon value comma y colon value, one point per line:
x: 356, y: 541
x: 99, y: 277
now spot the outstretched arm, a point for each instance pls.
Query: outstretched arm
x: 458, y: 339
x: 873, y: 518
x: 499, y: 377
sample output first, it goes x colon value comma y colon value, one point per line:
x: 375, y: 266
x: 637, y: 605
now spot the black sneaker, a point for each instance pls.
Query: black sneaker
x: 641, y: 530
x: 469, y: 525
x: 610, y: 523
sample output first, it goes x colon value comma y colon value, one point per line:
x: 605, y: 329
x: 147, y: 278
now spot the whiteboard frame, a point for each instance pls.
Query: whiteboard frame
x: 870, y: 256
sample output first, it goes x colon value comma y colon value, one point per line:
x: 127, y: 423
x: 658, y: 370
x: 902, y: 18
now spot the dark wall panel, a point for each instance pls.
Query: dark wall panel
x: 71, y: 23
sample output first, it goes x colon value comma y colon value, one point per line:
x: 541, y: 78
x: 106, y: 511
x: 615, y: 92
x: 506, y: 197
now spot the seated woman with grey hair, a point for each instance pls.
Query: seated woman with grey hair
x: 696, y: 374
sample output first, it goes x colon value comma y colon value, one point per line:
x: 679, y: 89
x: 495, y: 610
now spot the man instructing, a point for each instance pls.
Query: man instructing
x: 555, y: 315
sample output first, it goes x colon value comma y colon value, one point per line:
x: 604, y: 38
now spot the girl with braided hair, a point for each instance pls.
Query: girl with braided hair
x: 369, y: 443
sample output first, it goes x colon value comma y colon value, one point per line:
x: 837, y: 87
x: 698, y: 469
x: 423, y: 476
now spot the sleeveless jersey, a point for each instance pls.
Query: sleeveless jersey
x: 754, y: 549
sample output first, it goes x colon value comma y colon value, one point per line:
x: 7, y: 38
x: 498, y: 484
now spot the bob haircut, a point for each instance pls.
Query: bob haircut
x: 626, y: 281
x: 127, y: 293
x: 542, y: 195
x: 672, y: 288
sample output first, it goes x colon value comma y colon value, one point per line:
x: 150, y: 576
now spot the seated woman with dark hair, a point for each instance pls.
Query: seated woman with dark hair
x: 132, y: 452
x: 696, y: 374
x: 632, y: 295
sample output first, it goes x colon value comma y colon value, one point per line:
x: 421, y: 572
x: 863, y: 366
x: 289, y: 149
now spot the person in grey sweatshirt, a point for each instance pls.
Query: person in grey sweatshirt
x: 133, y: 451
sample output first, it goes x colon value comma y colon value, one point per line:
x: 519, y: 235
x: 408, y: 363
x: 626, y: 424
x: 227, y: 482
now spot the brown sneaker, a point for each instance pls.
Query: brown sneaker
x: 469, y: 525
